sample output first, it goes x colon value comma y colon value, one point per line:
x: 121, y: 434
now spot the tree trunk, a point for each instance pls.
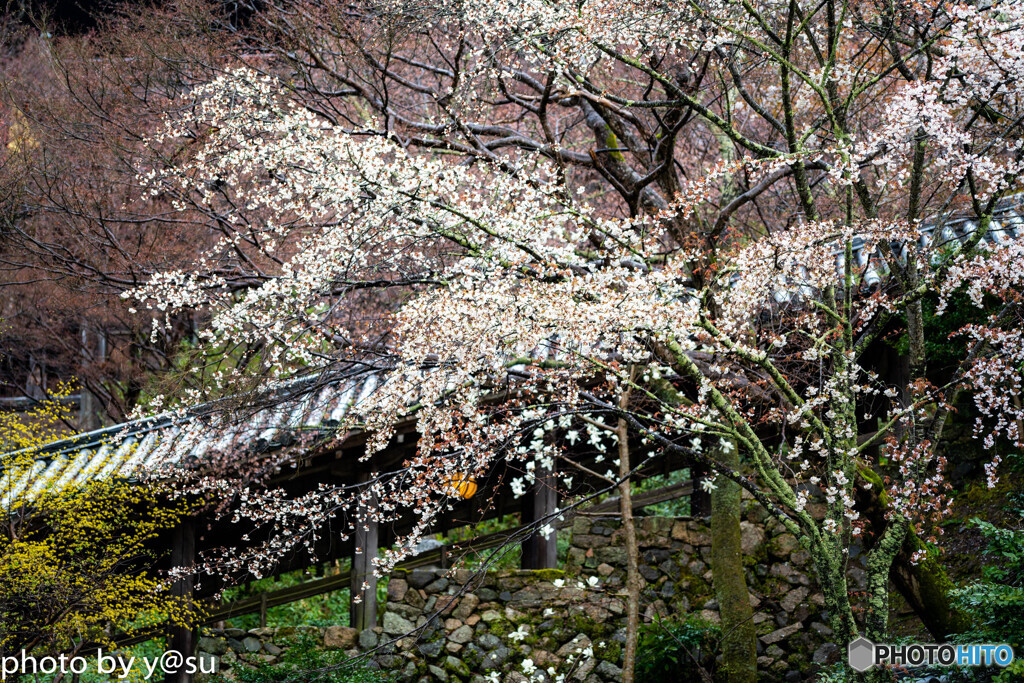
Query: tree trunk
x: 925, y: 585
x: 739, y: 639
x: 632, y: 551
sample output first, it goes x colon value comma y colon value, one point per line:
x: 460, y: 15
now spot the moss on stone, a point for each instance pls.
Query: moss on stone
x: 457, y: 667
x: 611, y: 651
x: 548, y: 574
x: 759, y: 556
x: 580, y: 623
x: 695, y: 588
x: 500, y: 628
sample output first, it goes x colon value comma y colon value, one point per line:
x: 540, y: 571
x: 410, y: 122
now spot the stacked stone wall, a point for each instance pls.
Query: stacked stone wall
x: 449, y: 626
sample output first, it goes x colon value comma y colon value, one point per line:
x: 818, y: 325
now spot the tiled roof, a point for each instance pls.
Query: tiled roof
x: 124, y: 449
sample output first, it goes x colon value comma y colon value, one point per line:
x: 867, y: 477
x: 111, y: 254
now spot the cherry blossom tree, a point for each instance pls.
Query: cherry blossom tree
x: 690, y: 226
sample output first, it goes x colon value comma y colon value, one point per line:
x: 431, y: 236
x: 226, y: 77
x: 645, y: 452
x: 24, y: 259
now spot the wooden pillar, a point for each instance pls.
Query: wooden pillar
x: 182, y: 637
x: 700, y: 500
x: 363, y: 614
x: 541, y: 501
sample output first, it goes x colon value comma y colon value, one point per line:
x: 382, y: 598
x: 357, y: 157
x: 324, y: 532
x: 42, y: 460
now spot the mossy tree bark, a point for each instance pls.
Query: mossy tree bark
x: 739, y: 644
x: 739, y: 640
x: 924, y: 585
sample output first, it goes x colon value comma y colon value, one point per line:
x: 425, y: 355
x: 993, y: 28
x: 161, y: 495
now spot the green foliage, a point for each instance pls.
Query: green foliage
x: 1007, y: 546
x: 836, y: 673
x: 328, y: 609
x: 671, y: 650
x: 996, y: 601
x: 677, y: 507
x: 151, y: 649
x: 941, y: 351
x: 491, y: 558
x: 1014, y: 672
x: 563, y: 541
x: 304, y: 662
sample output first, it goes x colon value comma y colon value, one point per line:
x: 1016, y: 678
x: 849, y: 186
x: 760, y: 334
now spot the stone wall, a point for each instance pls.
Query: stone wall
x: 467, y: 625
x: 675, y: 555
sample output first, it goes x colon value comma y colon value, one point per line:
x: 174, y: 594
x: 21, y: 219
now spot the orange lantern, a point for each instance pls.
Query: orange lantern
x: 462, y: 486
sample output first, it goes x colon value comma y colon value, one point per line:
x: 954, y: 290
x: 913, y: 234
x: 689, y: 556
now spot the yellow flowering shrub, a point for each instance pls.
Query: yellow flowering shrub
x: 77, y: 561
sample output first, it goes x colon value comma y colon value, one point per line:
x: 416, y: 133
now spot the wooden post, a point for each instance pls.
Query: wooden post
x: 363, y: 614
x: 700, y: 500
x: 182, y: 637
x: 540, y: 551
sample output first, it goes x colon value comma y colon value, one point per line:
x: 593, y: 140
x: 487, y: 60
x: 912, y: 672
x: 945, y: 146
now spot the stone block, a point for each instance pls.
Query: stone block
x: 591, y: 541
x: 216, y: 646
x: 711, y: 615
x: 446, y: 604
x: 784, y: 545
x: 826, y: 654
x: 431, y: 649
x: 467, y: 604
x: 612, y: 556
x: 577, y: 644
x: 340, y: 637
x: 437, y: 586
x: 751, y: 537
x: 397, y: 588
x: 461, y: 635
x: 781, y: 634
x: 457, y: 667
x: 414, y: 598
x: 396, y: 625
x: 608, y: 671
x: 495, y: 658
x: 419, y: 578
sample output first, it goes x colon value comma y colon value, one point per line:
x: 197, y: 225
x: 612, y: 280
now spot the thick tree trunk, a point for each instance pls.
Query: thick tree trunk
x: 925, y: 585
x: 739, y: 639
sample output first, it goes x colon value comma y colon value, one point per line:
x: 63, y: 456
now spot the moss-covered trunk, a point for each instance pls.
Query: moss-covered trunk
x: 739, y: 639
x: 924, y: 585
x: 831, y: 569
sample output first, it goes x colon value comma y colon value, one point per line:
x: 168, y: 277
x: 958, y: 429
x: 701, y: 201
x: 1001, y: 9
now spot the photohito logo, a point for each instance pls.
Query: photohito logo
x: 862, y: 654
